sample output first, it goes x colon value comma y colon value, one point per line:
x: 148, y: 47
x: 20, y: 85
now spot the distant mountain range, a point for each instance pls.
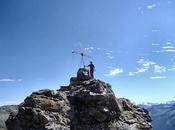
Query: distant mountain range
x: 163, y: 115
x: 4, y: 113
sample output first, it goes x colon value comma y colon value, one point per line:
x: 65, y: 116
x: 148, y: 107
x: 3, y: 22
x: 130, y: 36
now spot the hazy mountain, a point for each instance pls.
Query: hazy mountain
x: 4, y: 113
x: 163, y: 116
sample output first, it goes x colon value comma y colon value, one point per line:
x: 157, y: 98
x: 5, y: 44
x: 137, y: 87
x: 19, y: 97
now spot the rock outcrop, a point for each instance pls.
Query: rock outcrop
x: 4, y: 114
x: 86, y: 104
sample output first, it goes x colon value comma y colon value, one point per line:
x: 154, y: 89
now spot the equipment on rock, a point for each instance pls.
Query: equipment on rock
x: 82, y: 57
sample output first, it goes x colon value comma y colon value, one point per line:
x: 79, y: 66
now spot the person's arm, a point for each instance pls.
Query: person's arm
x: 86, y: 65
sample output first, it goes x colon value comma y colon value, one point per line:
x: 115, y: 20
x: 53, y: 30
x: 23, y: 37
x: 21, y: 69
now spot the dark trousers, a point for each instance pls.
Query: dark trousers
x: 92, y: 74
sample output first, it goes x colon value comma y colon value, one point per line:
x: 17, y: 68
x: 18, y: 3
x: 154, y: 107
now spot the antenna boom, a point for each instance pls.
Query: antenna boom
x: 82, y: 57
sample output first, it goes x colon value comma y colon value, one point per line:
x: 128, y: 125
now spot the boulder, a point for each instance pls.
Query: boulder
x: 85, y: 104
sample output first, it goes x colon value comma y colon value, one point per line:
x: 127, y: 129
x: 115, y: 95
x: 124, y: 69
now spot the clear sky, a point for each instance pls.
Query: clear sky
x: 131, y: 42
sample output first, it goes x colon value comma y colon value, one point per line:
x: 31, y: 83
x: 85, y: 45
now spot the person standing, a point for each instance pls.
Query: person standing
x: 91, y: 69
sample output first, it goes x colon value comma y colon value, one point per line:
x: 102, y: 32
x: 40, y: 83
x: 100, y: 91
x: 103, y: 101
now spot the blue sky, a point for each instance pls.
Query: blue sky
x: 132, y: 44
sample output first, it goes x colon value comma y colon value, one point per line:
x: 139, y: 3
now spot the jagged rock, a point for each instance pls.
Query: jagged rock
x: 86, y: 104
x: 4, y: 114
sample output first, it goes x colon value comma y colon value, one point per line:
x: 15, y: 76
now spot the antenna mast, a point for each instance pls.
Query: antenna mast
x: 82, y: 57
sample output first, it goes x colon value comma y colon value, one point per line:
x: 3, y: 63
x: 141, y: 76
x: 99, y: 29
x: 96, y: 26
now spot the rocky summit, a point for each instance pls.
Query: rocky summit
x: 85, y: 104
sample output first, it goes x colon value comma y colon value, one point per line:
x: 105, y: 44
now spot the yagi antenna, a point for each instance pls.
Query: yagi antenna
x: 82, y: 57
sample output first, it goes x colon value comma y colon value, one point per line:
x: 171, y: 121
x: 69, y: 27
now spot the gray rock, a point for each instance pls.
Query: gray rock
x: 86, y: 104
x: 4, y: 114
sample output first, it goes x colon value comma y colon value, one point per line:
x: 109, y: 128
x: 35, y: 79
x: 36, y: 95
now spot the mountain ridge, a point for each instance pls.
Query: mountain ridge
x: 85, y: 104
x: 163, y: 115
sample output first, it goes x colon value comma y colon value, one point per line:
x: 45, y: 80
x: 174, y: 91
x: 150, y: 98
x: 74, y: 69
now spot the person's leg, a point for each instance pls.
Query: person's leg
x: 92, y: 74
